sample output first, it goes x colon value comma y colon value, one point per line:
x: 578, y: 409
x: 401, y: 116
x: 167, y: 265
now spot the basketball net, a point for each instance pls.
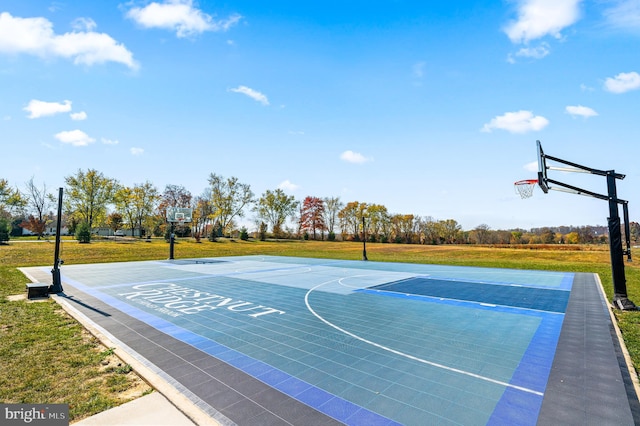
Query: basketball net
x: 525, y: 187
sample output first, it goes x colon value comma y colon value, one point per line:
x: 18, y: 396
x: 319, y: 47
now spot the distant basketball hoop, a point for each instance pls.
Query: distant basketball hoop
x: 525, y: 187
x: 177, y: 216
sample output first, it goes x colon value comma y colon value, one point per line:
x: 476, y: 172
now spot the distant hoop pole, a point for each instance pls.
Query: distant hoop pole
x: 525, y: 187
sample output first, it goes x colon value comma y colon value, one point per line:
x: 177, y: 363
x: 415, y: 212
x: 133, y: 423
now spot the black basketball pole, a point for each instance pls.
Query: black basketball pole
x: 620, y: 296
x: 364, y: 239
x: 172, y: 240
x: 56, y: 287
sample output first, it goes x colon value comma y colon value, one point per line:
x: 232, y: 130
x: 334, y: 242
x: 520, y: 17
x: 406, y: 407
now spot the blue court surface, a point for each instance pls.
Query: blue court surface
x: 281, y: 340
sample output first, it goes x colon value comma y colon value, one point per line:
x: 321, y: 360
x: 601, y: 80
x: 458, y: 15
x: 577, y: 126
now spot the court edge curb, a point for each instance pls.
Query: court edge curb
x: 627, y: 358
x: 183, y: 404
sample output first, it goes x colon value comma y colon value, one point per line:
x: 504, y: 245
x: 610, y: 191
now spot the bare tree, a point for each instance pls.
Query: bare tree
x: 39, y: 203
x: 332, y: 206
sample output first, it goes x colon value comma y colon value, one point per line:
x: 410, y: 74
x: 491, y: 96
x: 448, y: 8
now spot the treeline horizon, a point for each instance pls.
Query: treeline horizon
x: 92, y: 200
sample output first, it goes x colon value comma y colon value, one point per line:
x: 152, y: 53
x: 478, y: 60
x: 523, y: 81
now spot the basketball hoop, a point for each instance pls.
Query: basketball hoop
x: 525, y: 187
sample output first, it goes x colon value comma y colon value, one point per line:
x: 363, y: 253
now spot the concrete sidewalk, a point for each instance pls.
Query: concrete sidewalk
x: 152, y: 410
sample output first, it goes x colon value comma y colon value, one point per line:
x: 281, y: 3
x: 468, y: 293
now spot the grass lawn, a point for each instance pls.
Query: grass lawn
x: 47, y: 357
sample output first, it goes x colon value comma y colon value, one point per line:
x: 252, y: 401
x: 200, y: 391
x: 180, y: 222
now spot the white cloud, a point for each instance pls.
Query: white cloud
x: 109, y: 141
x: 538, y: 52
x: 354, y: 157
x: 531, y: 167
x: 179, y: 16
x: 288, y: 186
x: 540, y: 18
x: 516, y: 122
x: 37, y: 109
x: 35, y: 36
x: 581, y: 111
x: 74, y: 138
x: 623, y: 82
x: 78, y: 116
x: 253, y: 94
x: 624, y: 14
x: 136, y: 151
x: 84, y: 24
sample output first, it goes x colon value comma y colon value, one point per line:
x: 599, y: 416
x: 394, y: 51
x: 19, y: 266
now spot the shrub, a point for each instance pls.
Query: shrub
x: 332, y: 236
x: 244, y: 235
x: 262, y: 231
x: 83, y: 233
x: 4, y: 230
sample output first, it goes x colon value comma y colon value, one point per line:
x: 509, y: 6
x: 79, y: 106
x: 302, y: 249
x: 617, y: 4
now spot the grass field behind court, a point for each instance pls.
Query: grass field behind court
x: 50, y: 359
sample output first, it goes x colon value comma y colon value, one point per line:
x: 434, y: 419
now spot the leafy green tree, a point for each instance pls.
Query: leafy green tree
x: 88, y: 194
x: 274, y: 207
x: 83, y: 232
x: 244, y: 235
x: 10, y: 198
x: 229, y: 197
x: 137, y: 204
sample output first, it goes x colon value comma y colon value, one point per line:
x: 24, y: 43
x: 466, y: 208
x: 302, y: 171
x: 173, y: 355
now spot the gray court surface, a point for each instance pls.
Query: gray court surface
x: 265, y: 340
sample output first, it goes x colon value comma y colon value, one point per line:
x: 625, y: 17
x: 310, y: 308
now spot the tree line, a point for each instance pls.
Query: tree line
x: 92, y: 200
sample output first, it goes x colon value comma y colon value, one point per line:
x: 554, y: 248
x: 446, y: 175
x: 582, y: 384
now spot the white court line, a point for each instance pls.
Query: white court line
x: 402, y: 354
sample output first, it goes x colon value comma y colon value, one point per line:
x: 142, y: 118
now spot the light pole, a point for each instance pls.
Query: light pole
x: 364, y: 236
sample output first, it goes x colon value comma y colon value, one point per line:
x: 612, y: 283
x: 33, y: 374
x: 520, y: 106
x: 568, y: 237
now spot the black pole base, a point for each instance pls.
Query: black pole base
x: 56, y: 287
x: 624, y: 304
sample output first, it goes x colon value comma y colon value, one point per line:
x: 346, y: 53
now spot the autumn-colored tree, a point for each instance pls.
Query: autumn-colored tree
x: 312, y: 216
x: 114, y: 222
x: 403, y: 228
x: 202, y: 214
x: 351, y: 219
x: 377, y: 222
x: 34, y: 225
x: 448, y: 231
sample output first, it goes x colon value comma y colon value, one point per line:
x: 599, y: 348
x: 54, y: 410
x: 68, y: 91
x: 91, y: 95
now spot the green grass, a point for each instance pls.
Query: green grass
x: 47, y: 358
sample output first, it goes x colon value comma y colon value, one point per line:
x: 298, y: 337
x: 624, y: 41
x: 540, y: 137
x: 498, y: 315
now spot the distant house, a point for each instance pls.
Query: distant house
x: 104, y: 231
x: 49, y: 230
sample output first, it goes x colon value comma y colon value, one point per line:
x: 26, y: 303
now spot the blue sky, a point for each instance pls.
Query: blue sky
x: 429, y: 108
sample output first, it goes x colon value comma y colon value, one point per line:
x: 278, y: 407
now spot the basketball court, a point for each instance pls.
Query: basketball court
x: 259, y: 340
